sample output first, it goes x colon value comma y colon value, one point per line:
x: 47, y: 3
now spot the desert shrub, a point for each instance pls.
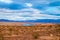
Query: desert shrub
x: 35, y: 35
x: 58, y: 30
x: 10, y: 30
x: 50, y: 26
x: 42, y: 25
x: 1, y: 37
x: 57, y: 26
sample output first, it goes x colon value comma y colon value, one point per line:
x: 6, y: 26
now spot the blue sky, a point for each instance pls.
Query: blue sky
x: 29, y: 9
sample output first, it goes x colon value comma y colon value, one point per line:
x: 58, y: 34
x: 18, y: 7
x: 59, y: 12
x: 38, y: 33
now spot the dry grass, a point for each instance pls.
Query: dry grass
x: 16, y: 31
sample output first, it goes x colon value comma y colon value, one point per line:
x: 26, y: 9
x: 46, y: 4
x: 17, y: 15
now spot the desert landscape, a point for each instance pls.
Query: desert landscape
x: 29, y: 31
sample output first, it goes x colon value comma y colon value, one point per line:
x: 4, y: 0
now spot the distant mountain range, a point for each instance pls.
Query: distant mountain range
x: 39, y: 20
x: 6, y: 20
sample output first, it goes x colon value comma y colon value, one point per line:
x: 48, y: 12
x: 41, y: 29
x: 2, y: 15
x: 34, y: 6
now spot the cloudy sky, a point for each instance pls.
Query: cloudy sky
x: 29, y: 9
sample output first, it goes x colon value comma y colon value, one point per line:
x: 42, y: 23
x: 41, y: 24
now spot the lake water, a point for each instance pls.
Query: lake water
x: 28, y: 24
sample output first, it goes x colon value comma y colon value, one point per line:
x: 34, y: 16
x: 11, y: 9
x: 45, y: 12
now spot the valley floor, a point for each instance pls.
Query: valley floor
x: 37, y: 31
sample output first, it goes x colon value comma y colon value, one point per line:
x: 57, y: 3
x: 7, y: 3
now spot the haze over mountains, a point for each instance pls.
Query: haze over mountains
x: 39, y: 20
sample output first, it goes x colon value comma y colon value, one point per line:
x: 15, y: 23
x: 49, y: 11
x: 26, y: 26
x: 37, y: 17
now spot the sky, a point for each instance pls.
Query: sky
x: 29, y: 9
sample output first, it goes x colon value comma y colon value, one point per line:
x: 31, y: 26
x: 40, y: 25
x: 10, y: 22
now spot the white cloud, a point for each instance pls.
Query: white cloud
x: 25, y: 14
x: 28, y: 4
x: 6, y: 1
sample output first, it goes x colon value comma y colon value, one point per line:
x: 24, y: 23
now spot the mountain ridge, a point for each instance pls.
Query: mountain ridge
x: 39, y: 20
